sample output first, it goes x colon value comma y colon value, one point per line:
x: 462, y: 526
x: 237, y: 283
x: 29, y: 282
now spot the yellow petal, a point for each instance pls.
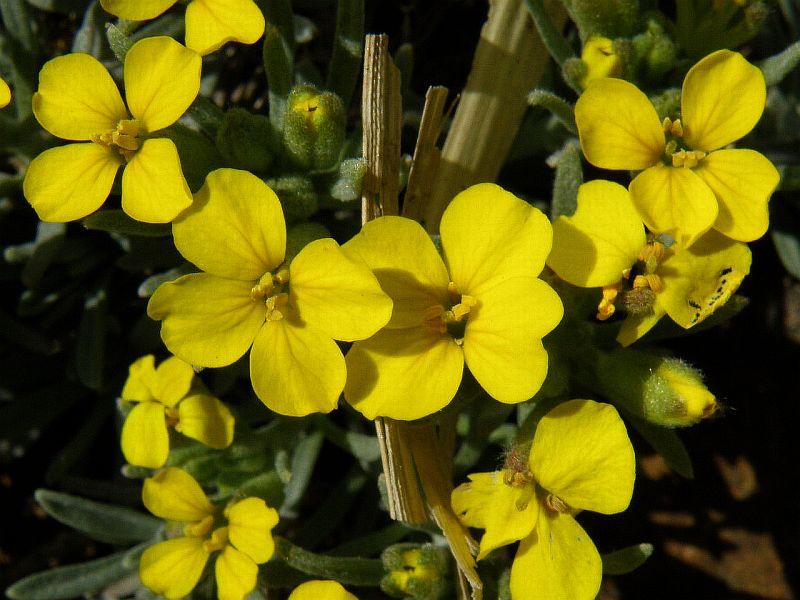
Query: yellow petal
x: 335, y: 294
x: 236, y: 573
x: 601, y: 60
x: 618, y: 126
x: 173, y: 378
x: 235, y: 228
x: 141, y: 377
x: 207, y: 420
x: 77, y: 98
x: 5, y: 93
x: 635, y: 326
x: 172, y: 568
x: 212, y: 23
x: 162, y: 79
x: 153, y: 187
x: 208, y: 320
x: 296, y: 369
x: 316, y: 590
x: 173, y: 494
x: 742, y: 181
x: 488, y: 235
x: 404, y: 374
x: 675, y: 201
x: 69, y: 182
x: 699, y: 280
x: 507, y: 513
x: 558, y: 561
x: 722, y: 100
x: 601, y: 240
x: 250, y: 522
x: 502, y: 342
x: 136, y: 10
x: 406, y: 264
x: 582, y: 454
x: 144, y: 439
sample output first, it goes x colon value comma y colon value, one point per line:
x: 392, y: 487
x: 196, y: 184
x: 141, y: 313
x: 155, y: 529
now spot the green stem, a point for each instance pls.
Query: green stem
x: 556, y: 45
x: 347, y: 570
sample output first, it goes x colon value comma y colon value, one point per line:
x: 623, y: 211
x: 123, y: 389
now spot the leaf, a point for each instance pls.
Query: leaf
x: 348, y: 49
x: 19, y: 24
x: 569, y: 177
x: 627, y: 559
x: 776, y: 67
x: 303, y: 462
x: 558, y: 107
x: 116, y: 221
x: 667, y: 443
x: 346, y: 570
x: 90, y: 38
x: 72, y: 581
x: 65, y: 7
x: 102, y: 522
x: 91, y: 346
x: 279, y: 68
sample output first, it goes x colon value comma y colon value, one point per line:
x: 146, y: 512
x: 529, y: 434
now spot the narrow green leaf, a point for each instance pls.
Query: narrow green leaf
x: 118, y: 40
x: 348, y: 49
x: 555, y: 43
x: 627, y: 559
x: 207, y: 115
x: 788, y: 246
x: 279, y: 69
x: 91, y: 347
x: 65, y: 7
x: 19, y: 24
x: 375, y: 542
x: 346, y: 570
x: 116, y: 221
x: 667, y: 443
x: 89, y: 39
x: 102, y: 522
x: 776, y: 67
x: 569, y: 177
x: 560, y: 108
x: 303, y: 462
x: 72, y: 581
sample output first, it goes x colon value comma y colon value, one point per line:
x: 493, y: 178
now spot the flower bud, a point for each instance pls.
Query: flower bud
x: 314, y: 128
x: 601, y: 60
x: 611, y: 18
x: 415, y: 571
x: 297, y: 195
x: 665, y: 391
x: 247, y: 141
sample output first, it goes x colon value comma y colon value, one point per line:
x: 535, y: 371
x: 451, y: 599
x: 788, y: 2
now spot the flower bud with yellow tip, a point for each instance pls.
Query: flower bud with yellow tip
x: 601, y: 60
x: 314, y: 128
x: 414, y: 571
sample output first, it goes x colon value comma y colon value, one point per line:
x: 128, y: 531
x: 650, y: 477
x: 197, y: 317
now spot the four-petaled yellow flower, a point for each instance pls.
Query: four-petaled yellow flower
x: 168, y: 397
x: 604, y: 244
x: 688, y: 184
x: 5, y: 93
x: 209, y: 23
x: 581, y: 459
x: 290, y: 313
x: 78, y: 100
x: 483, y: 304
x: 600, y: 59
x: 321, y: 590
x: 241, y: 534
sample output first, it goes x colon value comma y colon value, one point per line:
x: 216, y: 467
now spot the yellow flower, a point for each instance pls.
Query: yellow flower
x: 688, y: 184
x: 78, y: 100
x: 601, y: 60
x: 485, y: 306
x: 604, y: 244
x: 290, y: 313
x: 164, y: 398
x: 5, y: 93
x: 581, y: 459
x: 321, y: 590
x: 209, y: 23
x: 241, y: 535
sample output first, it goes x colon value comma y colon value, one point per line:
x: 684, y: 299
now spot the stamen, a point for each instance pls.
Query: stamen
x: 556, y: 504
x: 606, y: 308
x: 674, y: 128
x: 687, y: 158
x: 277, y: 307
x: 217, y: 541
x: 125, y: 138
x: 199, y: 529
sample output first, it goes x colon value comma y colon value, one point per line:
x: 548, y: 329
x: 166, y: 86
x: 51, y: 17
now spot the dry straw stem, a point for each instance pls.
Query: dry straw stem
x: 509, y: 62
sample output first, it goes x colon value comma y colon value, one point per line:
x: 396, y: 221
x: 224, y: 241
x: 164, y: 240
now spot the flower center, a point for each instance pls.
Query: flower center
x: 674, y: 152
x: 639, y: 285
x: 272, y: 288
x: 452, y: 319
x: 199, y: 529
x: 125, y: 139
x: 217, y: 540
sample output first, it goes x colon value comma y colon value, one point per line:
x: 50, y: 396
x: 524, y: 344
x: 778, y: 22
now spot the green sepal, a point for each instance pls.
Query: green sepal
x: 102, y: 522
x: 297, y: 195
x: 626, y: 560
x: 777, y: 67
x: 608, y: 18
x: 314, y: 128
x: 347, y: 186
x: 569, y: 177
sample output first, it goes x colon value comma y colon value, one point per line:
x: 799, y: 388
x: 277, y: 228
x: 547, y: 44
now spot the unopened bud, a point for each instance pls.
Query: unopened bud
x: 415, y: 571
x: 314, y: 128
x: 247, y: 141
x: 601, y: 60
x: 297, y: 195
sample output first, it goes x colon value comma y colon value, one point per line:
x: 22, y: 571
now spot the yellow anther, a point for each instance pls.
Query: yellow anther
x: 281, y: 277
x: 277, y: 307
x: 461, y: 310
x: 607, y: 308
x: 650, y: 280
x: 125, y: 138
x: 556, y: 504
x: 687, y: 158
x: 674, y: 128
x: 217, y: 541
x: 655, y: 250
x: 199, y: 529
x: 263, y: 288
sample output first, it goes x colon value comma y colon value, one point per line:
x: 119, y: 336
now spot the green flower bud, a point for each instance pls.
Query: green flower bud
x: 665, y: 391
x: 297, y: 195
x: 609, y: 18
x: 299, y: 236
x: 347, y: 187
x: 197, y: 153
x: 655, y: 52
x: 314, y: 128
x: 574, y: 71
x: 415, y: 571
x: 247, y: 141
